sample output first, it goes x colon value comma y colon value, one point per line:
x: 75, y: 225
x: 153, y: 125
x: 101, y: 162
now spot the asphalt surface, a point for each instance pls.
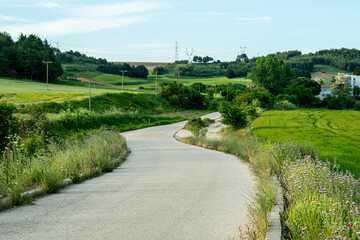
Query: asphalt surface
x: 165, y: 190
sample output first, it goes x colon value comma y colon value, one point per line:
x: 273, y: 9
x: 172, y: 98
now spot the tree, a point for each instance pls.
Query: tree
x: 242, y: 58
x: 357, y: 71
x: 233, y: 115
x: 356, y: 92
x: 341, y: 85
x: 197, y: 59
x: 309, y: 83
x: 271, y: 74
x: 207, y: 59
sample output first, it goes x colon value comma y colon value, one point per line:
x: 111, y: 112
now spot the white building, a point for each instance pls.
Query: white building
x: 325, y: 91
x: 354, y: 80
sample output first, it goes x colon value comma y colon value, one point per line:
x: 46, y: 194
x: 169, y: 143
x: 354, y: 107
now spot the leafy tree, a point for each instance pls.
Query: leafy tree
x: 357, y: 71
x: 242, y: 58
x: 356, y: 92
x: 341, y: 85
x: 197, y: 59
x: 309, y: 83
x: 207, y: 59
x: 160, y: 70
x: 261, y: 94
x: 233, y: 115
x: 304, y: 95
x: 336, y: 103
x: 271, y: 74
x: 182, y: 96
x: 198, y: 87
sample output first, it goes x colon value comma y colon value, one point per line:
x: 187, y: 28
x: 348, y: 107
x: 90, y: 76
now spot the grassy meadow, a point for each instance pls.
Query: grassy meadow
x: 334, y: 133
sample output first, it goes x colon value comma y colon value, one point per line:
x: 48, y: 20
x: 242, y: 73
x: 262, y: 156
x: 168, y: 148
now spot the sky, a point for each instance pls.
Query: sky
x: 148, y: 30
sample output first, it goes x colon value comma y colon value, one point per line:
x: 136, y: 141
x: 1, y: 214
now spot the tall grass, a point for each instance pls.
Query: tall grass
x: 77, y: 159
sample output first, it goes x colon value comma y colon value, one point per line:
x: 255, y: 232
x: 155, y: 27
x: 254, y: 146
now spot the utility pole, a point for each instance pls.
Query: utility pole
x: 176, y: 51
x: 90, y: 95
x: 156, y: 83
x: 227, y: 93
x: 122, y: 81
x: 178, y: 76
x: 47, y: 74
x: 215, y: 87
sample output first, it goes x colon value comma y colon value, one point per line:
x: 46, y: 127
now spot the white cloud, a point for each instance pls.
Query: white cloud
x: 72, y: 26
x: 49, y: 5
x: 13, y: 19
x: 204, y: 13
x: 108, y: 10
x: 255, y: 19
x: 87, y: 19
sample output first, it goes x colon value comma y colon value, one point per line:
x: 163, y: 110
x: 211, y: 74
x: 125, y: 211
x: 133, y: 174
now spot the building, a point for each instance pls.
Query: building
x: 354, y: 80
x: 325, y: 91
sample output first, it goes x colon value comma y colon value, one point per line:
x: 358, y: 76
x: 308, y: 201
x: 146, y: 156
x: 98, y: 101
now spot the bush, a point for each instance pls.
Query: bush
x: 357, y: 106
x: 233, y: 115
x: 9, y: 125
x: 336, y: 103
x: 197, y: 127
x: 284, y: 105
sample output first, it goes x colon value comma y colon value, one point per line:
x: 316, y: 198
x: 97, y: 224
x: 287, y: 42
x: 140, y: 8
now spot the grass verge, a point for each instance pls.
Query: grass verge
x: 78, y: 159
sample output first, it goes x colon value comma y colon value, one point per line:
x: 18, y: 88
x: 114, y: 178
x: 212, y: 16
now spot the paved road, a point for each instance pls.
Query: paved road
x: 165, y: 190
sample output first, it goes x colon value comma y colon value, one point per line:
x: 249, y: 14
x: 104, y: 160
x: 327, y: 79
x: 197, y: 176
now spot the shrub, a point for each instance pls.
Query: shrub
x: 197, y: 127
x: 284, y: 105
x: 336, y: 103
x: 9, y: 125
x: 233, y: 115
x: 357, y: 106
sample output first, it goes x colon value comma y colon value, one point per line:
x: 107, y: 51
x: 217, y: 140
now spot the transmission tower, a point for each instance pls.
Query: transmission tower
x: 243, y: 49
x: 189, y: 53
x: 176, y: 51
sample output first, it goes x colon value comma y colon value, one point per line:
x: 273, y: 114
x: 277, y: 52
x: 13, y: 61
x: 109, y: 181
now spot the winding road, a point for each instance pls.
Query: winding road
x: 165, y: 190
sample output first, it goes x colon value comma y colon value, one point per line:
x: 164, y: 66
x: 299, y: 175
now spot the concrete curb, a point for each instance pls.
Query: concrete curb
x: 274, y: 230
x: 7, y: 202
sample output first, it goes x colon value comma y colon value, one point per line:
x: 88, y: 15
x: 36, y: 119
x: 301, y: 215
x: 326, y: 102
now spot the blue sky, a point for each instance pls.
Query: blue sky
x: 147, y: 30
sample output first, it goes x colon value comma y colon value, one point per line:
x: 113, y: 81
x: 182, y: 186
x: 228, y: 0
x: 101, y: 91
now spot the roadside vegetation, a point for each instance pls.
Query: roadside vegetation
x: 302, y: 147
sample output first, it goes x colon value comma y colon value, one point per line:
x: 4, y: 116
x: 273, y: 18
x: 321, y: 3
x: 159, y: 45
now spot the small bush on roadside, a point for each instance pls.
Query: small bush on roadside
x: 197, y: 127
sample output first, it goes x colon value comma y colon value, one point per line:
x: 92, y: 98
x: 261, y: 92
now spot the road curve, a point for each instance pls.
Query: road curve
x: 165, y: 190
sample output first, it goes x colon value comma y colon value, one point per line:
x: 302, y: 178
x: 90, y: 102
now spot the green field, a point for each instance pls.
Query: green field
x: 26, y: 91
x: 327, y: 69
x: 334, y: 133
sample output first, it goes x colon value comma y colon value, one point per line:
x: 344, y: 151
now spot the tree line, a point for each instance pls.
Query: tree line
x: 24, y: 58
x: 131, y: 71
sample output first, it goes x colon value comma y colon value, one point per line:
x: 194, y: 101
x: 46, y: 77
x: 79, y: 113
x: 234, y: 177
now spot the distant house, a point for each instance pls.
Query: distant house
x: 251, y: 86
x: 354, y: 80
x: 325, y: 91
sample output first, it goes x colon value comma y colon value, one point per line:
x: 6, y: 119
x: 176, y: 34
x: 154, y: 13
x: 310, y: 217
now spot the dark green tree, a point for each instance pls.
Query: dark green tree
x: 309, y: 83
x: 233, y: 115
x: 271, y: 74
x: 356, y: 92
x: 357, y: 71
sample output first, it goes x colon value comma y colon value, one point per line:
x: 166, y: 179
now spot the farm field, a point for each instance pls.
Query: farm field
x: 334, y: 133
x: 26, y: 91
